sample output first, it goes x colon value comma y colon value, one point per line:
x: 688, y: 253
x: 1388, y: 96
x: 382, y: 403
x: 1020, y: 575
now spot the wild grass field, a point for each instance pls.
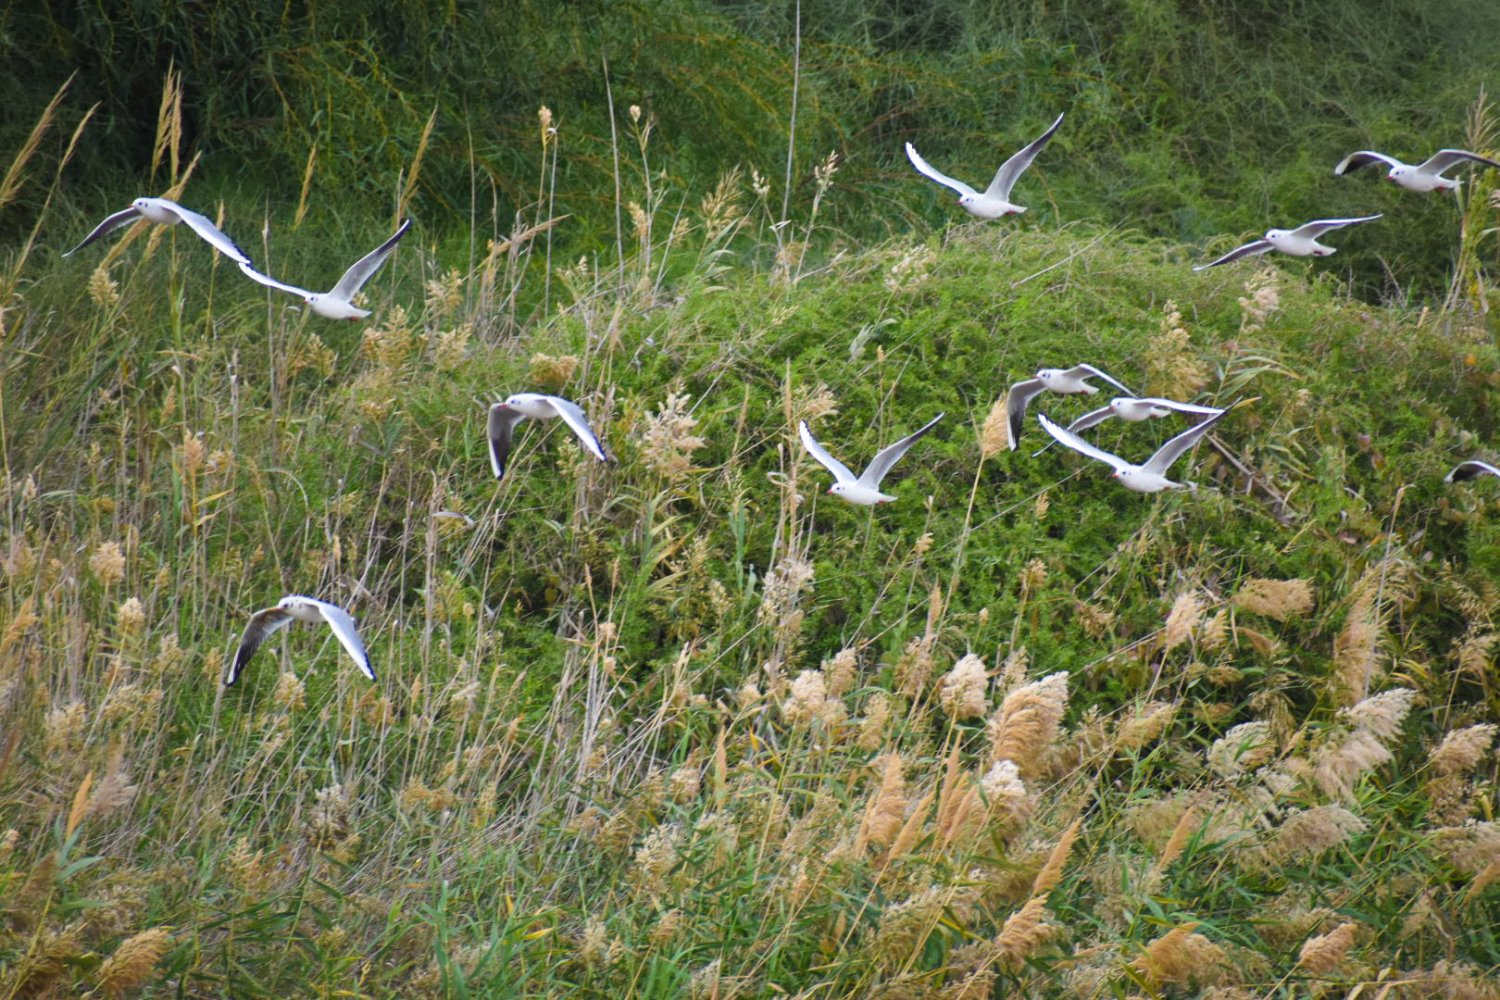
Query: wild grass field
x: 682, y: 724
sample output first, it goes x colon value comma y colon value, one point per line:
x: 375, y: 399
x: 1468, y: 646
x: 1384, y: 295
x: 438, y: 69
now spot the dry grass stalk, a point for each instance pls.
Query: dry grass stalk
x: 1182, y: 957
x: 1025, y: 727
x: 10, y: 185
x: 1322, y: 954
x: 1046, y: 880
x: 994, y: 433
x: 1275, y: 599
x: 962, y: 693
x: 1186, y: 613
x: 132, y: 963
x: 886, y: 809
x: 1023, y: 932
x: 1242, y: 749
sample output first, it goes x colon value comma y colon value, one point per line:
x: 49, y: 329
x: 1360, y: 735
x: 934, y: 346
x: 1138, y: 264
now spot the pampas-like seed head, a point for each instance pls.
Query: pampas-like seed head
x: 1275, y: 599
x: 1026, y: 725
x: 962, y: 693
x: 1463, y: 749
x: 1023, y: 932
x: 809, y: 692
x: 132, y: 963
x: 1182, y: 956
x: 887, y: 806
x: 994, y: 433
x: 1322, y: 954
x: 1186, y: 612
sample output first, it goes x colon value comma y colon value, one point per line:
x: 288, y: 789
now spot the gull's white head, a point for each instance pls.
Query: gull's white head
x: 1117, y: 405
x: 837, y: 489
x: 1047, y: 374
x: 966, y: 200
x: 140, y: 204
x: 1395, y: 173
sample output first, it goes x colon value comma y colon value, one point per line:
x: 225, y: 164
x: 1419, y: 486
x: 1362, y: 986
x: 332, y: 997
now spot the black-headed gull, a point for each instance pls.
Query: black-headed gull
x: 1424, y: 176
x: 302, y: 609
x: 504, y: 416
x: 1151, y: 475
x: 337, y: 302
x: 1470, y: 469
x: 1135, y: 410
x: 864, y: 489
x: 167, y: 213
x: 995, y: 201
x: 1299, y: 242
x: 1067, y: 381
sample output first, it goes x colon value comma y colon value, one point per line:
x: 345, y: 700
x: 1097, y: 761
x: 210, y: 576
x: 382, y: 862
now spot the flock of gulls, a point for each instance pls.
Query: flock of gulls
x: 994, y: 202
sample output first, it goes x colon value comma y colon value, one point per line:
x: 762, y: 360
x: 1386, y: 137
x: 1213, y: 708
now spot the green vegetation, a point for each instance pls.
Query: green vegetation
x: 681, y: 724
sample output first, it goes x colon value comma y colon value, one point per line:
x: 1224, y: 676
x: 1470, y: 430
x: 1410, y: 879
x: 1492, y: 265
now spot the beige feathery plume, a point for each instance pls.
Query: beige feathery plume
x: 1322, y: 954
x: 962, y: 693
x: 910, y: 830
x: 1182, y: 956
x: 887, y: 806
x: 1309, y: 832
x: 1242, y: 749
x: 1463, y: 749
x: 133, y: 962
x: 1026, y: 725
x: 1046, y: 880
x: 840, y: 671
x: 1010, y: 804
x: 1186, y: 612
x: 1382, y: 714
x: 1275, y: 599
x: 1022, y: 933
x: 874, y: 729
x: 994, y: 434
x: 1470, y: 848
x: 809, y: 692
x: 1187, y: 825
x: 1145, y: 725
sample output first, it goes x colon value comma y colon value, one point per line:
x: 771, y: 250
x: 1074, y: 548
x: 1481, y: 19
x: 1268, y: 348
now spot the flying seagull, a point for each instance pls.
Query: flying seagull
x: 167, y: 213
x: 1424, y: 176
x: 1151, y: 475
x: 863, y: 490
x: 1135, y: 410
x: 1299, y: 242
x: 995, y: 201
x: 1470, y: 469
x: 337, y: 303
x: 1067, y: 381
x: 504, y: 417
x: 303, y: 609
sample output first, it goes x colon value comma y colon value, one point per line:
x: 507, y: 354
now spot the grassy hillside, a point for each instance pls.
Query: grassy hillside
x: 682, y: 724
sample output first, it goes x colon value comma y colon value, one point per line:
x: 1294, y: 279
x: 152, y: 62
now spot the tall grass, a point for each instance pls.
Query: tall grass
x: 679, y: 724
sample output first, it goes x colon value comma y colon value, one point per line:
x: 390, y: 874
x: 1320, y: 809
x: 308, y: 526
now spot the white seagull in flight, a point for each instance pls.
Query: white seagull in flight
x: 302, y: 609
x: 503, y: 418
x: 1299, y: 242
x: 995, y: 201
x: 1470, y: 469
x: 864, y: 489
x: 1135, y: 410
x: 1424, y: 176
x: 1067, y: 381
x: 1151, y: 475
x: 337, y: 302
x: 167, y: 213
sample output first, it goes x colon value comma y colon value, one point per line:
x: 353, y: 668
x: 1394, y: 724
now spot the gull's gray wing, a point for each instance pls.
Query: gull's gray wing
x: 1172, y: 404
x: 1078, y: 444
x: 262, y: 625
x: 1445, y: 159
x: 1318, y: 227
x: 265, y: 279
x: 889, y: 455
x: 840, y: 471
x: 1013, y: 168
x: 1016, y: 400
x: 1078, y: 371
x: 1248, y: 250
x: 354, y: 279
x: 573, y: 415
x: 343, y: 627
x: 502, y: 421
x: 1470, y: 469
x: 925, y: 168
x: 112, y: 222
x: 1168, y: 453
x: 1083, y: 423
x: 209, y: 232
x: 1364, y: 158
